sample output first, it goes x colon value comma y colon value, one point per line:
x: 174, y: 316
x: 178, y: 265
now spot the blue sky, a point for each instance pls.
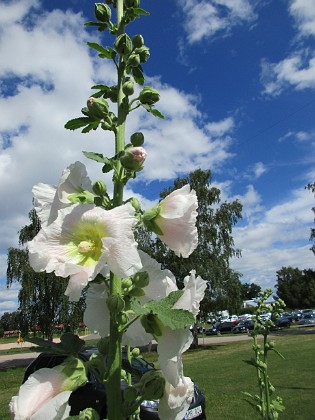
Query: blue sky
x: 237, y: 84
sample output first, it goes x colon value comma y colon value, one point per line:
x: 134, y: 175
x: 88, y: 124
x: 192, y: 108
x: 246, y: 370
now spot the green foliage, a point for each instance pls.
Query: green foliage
x: 311, y: 187
x: 267, y: 406
x: 250, y: 291
x: 296, y: 287
x: 70, y: 344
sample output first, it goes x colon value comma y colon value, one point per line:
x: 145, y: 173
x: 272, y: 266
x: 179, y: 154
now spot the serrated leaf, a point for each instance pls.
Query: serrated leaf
x: 107, y: 52
x: 78, y: 123
x: 156, y: 113
x: 92, y: 126
x: 98, y: 157
x: 138, y: 75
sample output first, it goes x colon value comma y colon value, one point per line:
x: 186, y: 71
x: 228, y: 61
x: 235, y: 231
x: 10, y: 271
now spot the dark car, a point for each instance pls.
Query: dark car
x: 223, y: 327
x: 243, y: 326
x: 307, y: 319
x: 93, y: 393
x: 281, y: 322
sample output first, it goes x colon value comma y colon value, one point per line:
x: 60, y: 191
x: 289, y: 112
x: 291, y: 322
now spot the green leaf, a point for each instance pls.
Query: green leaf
x: 163, y: 309
x: 69, y: 344
x: 92, y: 126
x: 278, y: 353
x: 107, y: 52
x: 78, y: 123
x: 98, y: 157
x: 138, y: 75
x: 153, y: 111
x: 138, y: 11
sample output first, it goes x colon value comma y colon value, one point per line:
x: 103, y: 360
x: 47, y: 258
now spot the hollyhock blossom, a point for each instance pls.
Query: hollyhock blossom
x: 48, y: 199
x: 176, y: 220
x: 172, y: 344
x: 82, y: 240
x: 46, y: 392
x: 97, y: 316
x: 176, y: 400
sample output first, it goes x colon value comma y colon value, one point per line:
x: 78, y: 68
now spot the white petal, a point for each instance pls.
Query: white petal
x: 176, y: 401
x: 96, y: 315
x: 171, y: 345
x: 40, y: 387
x: 194, y: 291
x: 44, y: 195
x: 57, y: 408
x: 73, y: 179
x: 178, y: 202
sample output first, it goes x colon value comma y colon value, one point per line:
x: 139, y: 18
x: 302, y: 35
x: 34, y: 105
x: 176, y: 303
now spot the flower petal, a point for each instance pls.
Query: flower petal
x: 57, y: 408
x: 193, y: 293
x: 176, y: 400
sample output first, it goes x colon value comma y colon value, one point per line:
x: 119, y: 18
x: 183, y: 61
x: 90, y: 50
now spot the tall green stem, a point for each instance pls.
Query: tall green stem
x: 114, y: 379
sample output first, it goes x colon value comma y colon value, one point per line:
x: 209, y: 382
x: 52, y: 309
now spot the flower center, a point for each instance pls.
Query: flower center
x: 85, y: 247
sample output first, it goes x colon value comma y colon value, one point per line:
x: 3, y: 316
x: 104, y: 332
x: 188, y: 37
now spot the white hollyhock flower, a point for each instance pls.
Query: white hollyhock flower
x: 82, y: 240
x: 177, y: 221
x: 176, y: 400
x: 48, y: 199
x: 46, y: 392
x: 97, y: 316
x: 172, y: 344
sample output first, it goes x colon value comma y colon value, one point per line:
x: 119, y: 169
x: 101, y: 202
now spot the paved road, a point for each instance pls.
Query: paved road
x: 23, y: 359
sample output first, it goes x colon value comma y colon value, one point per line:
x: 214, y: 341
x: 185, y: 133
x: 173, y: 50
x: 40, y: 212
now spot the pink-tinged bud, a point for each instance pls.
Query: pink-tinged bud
x: 133, y: 158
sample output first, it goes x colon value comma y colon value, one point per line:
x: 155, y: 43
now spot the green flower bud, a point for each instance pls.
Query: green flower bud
x: 98, y: 107
x: 152, y: 213
x: 123, y: 44
x: 128, y: 87
x: 102, y: 12
x: 152, y: 385
x: 134, y: 60
x: 130, y: 394
x: 137, y: 41
x: 137, y: 139
x: 141, y: 279
x: 75, y: 371
x: 143, y: 52
x: 115, y: 303
x: 135, y: 203
x: 152, y: 324
x: 103, y: 345
x: 99, y: 188
x: 132, y: 3
x: 126, y: 283
x: 149, y: 96
x: 133, y: 158
x: 135, y: 352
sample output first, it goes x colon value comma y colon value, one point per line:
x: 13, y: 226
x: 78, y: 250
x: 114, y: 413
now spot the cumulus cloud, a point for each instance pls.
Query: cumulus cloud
x: 204, y: 19
x: 303, y: 12
x: 279, y: 238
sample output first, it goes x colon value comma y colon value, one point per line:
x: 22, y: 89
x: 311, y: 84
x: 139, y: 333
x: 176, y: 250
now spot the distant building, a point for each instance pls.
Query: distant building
x: 253, y: 302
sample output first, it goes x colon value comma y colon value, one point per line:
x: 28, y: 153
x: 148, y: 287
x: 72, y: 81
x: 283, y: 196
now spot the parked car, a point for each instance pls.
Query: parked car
x: 219, y: 328
x: 93, y: 393
x: 307, y: 319
x: 281, y: 322
x: 243, y: 326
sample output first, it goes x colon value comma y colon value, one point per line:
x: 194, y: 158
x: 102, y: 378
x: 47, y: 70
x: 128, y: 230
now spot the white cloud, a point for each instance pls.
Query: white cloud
x: 300, y: 136
x: 303, y: 12
x: 204, y: 19
x: 279, y: 238
x: 297, y: 71
x: 8, y: 298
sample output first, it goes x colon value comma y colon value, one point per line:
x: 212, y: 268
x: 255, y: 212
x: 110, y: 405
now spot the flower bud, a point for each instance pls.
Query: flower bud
x: 134, y: 60
x: 133, y: 158
x: 135, y: 203
x: 115, y: 303
x: 132, y: 3
x: 141, y: 279
x: 98, y: 107
x: 135, y: 352
x: 99, y: 188
x: 143, y: 52
x: 128, y: 88
x: 149, y: 96
x: 102, y: 12
x: 137, y: 139
x: 152, y: 385
x: 123, y: 44
x: 103, y: 345
x: 137, y: 41
x: 126, y: 283
x: 152, y: 324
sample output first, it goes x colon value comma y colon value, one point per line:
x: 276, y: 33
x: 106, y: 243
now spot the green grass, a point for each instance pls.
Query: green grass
x: 222, y: 373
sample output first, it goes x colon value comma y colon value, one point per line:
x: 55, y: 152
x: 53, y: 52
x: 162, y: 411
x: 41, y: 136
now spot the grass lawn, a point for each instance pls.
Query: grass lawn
x: 221, y: 372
